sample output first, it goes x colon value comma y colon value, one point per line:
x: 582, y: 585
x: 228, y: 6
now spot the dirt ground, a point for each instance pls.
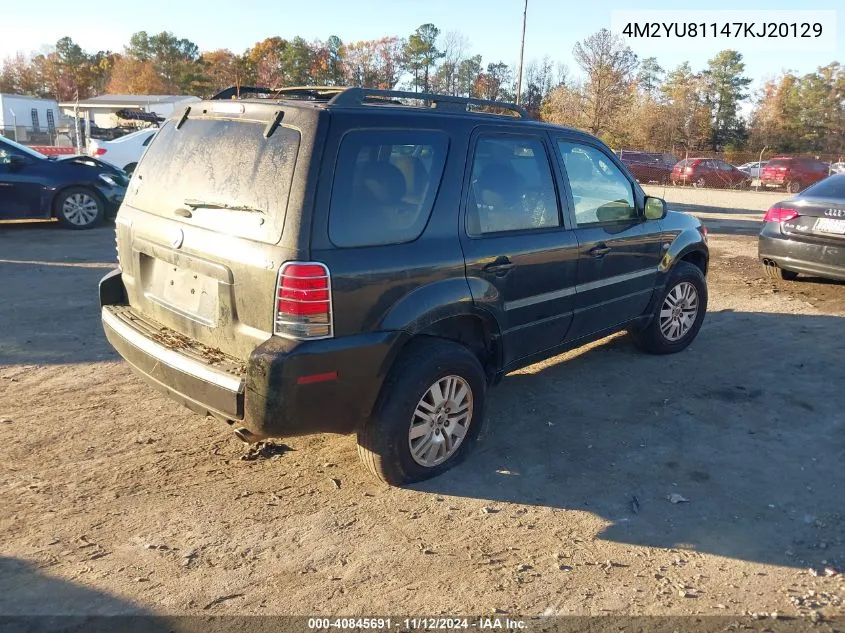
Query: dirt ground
x: 117, y: 500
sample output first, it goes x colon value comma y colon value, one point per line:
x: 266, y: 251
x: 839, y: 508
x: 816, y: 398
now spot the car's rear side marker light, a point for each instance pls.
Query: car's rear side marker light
x: 308, y: 380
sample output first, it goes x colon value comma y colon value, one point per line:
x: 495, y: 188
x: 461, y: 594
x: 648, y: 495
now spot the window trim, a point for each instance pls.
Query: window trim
x: 485, y: 132
x: 570, y: 199
x: 393, y: 130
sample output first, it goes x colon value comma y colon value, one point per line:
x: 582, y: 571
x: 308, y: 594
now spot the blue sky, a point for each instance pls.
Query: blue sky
x: 492, y: 27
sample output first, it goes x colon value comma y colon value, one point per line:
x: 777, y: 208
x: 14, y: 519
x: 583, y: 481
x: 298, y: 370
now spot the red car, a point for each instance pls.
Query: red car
x: 649, y: 166
x: 709, y: 172
x: 793, y: 174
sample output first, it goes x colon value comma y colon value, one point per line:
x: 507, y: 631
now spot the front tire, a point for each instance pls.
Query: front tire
x: 679, y: 313
x: 428, y: 416
x: 79, y: 208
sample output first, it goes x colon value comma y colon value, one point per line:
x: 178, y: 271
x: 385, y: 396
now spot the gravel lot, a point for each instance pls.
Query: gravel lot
x: 117, y: 500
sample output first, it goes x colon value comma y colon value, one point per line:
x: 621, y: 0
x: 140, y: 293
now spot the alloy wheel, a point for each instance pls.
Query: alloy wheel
x: 678, y: 312
x: 80, y: 209
x: 440, y: 421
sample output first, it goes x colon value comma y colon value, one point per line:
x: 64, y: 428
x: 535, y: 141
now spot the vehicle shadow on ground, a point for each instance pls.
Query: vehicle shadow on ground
x: 747, y: 424
x: 33, y: 601
x: 49, y: 308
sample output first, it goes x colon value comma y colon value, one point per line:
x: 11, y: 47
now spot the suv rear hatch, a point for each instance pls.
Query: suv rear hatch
x: 202, y: 231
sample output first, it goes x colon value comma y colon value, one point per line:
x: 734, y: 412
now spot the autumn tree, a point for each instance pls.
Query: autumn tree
x: 374, y: 63
x: 176, y: 60
x: 328, y: 62
x: 801, y: 114
x: 608, y: 64
x: 134, y: 77
x: 264, y: 62
x: 686, y: 116
x: 222, y: 68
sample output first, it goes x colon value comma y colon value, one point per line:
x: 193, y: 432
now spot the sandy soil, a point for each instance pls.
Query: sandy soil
x: 117, y: 500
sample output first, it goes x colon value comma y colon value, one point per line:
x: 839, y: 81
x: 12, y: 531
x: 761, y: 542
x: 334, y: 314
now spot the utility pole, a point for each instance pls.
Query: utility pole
x: 521, y: 55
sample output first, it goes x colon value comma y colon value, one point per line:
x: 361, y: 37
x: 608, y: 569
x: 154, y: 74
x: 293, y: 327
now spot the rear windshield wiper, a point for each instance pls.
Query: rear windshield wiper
x: 196, y: 204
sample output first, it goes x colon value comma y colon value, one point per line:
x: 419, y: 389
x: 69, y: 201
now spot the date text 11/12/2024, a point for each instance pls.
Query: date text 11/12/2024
x: 492, y: 623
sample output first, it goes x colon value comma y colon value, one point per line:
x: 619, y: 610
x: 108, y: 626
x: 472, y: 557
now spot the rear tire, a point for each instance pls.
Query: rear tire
x: 130, y: 168
x: 674, y: 324
x: 79, y: 208
x: 411, y: 434
x: 793, y: 186
x: 776, y: 272
x: 699, y: 183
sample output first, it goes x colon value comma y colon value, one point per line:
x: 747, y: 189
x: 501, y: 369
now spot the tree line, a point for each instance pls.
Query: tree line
x: 628, y: 102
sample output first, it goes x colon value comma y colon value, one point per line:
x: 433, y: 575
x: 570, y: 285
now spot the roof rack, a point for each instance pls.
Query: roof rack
x: 345, y: 96
x: 363, y: 96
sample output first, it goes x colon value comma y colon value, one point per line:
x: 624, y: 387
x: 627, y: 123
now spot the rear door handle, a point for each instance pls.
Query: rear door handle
x: 499, y: 267
x: 599, y: 250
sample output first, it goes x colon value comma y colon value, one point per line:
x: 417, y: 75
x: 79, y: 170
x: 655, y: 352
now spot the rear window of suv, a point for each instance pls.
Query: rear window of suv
x: 221, y: 162
x: 384, y: 186
x: 779, y: 162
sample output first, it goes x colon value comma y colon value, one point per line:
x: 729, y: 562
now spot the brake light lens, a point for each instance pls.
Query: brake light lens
x: 303, y: 301
x: 100, y: 151
x: 779, y: 214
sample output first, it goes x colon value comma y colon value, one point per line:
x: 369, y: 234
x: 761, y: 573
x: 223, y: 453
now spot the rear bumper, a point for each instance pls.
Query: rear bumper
x: 810, y: 258
x: 272, y: 394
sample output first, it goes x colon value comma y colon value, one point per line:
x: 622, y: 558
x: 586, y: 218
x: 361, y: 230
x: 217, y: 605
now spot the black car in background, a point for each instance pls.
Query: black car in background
x: 649, y: 166
x: 806, y: 233
x: 77, y: 190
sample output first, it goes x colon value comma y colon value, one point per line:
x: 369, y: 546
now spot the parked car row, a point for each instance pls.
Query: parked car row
x: 784, y: 172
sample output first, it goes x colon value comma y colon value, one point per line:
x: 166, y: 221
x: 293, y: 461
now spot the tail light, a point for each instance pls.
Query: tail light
x: 779, y: 214
x: 303, y: 301
x: 99, y: 151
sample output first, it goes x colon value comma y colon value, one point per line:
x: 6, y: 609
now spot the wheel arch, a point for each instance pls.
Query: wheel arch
x: 446, y: 310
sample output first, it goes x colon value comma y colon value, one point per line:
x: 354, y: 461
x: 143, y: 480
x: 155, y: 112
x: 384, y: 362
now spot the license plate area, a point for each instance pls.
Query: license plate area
x: 181, y: 290
x: 830, y: 225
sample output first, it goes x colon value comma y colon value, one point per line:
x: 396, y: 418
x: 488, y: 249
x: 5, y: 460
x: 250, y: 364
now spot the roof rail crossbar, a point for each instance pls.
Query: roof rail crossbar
x: 361, y: 96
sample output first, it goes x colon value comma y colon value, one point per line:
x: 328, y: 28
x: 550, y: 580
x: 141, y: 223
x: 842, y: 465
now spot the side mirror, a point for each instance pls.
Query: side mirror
x: 655, y: 208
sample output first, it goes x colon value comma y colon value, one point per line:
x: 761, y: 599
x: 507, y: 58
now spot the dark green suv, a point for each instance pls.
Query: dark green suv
x: 370, y: 262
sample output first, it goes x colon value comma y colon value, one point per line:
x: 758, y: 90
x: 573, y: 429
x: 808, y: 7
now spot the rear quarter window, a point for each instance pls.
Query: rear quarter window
x: 385, y: 184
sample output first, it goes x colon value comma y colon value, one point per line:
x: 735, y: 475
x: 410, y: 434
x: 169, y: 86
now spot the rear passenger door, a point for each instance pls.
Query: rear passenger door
x: 521, y: 259
x: 618, y: 250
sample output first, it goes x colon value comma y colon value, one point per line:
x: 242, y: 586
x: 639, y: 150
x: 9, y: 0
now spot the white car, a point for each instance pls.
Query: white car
x: 124, y: 152
x: 837, y: 168
x: 753, y: 169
